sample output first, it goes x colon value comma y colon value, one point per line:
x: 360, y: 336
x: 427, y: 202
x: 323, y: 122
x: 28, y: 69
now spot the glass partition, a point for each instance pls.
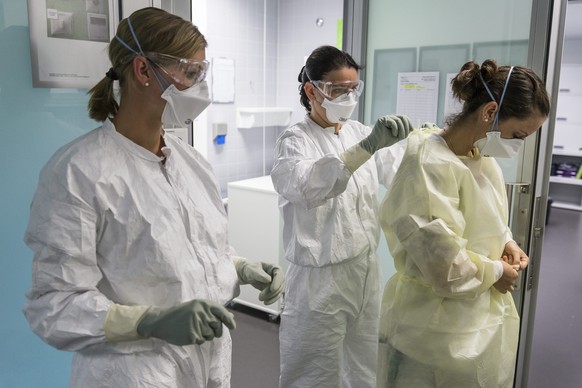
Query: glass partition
x: 257, y: 49
x: 436, y: 38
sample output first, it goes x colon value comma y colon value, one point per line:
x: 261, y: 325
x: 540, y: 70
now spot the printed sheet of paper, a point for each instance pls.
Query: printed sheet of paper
x: 222, y: 80
x: 418, y: 96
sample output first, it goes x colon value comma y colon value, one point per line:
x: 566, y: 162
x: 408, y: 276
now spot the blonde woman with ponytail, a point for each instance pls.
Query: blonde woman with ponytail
x: 132, y: 266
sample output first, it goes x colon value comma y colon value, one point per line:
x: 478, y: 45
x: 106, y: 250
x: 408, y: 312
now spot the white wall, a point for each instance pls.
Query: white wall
x: 268, y: 41
x: 298, y: 37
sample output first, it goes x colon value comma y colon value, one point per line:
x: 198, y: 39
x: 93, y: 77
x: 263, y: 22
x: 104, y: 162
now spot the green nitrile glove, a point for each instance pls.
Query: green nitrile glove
x: 387, y: 131
x: 192, y: 322
x: 265, y: 277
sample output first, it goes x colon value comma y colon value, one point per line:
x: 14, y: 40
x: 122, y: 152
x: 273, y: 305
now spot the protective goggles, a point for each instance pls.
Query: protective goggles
x: 335, y: 89
x: 187, y: 72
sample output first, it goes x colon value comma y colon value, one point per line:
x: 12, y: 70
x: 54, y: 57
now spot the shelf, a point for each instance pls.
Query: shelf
x: 263, y: 117
x: 567, y: 153
x: 566, y: 181
x: 565, y: 205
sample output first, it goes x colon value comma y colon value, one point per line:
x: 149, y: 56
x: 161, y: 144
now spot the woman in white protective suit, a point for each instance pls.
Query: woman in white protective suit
x: 132, y: 266
x: 327, y: 181
x: 447, y: 317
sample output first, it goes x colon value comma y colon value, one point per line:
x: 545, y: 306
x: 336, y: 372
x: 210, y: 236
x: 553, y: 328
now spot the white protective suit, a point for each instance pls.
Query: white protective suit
x: 443, y: 324
x: 111, y: 224
x: 329, y: 325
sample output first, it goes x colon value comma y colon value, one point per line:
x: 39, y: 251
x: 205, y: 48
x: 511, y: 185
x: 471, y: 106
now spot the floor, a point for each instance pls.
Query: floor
x: 255, y: 349
x: 556, y: 359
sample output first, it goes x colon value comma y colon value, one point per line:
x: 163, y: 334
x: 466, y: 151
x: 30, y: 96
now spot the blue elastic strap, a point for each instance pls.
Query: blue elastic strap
x: 159, y: 78
x: 134, y: 38
x: 496, y: 119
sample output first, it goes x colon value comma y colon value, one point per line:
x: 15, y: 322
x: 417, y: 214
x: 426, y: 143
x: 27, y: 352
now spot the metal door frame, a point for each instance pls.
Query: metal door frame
x: 545, y: 57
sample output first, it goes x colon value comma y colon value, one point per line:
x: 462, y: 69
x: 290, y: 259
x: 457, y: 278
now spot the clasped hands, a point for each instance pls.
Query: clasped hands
x: 513, y: 260
x: 267, y: 278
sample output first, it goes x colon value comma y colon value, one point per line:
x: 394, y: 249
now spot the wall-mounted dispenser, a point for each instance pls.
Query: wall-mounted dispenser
x: 263, y: 116
x: 219, y: 131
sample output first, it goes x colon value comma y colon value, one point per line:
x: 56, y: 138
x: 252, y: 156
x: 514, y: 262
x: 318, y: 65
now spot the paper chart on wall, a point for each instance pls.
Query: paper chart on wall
x: 418, y: 96
x: 222, y: 80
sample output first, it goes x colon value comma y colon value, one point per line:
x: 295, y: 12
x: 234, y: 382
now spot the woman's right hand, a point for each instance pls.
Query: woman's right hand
x: 508, y: 279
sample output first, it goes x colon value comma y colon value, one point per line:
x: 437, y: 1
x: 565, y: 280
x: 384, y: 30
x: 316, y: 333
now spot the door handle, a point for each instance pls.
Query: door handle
x: 537, y: 235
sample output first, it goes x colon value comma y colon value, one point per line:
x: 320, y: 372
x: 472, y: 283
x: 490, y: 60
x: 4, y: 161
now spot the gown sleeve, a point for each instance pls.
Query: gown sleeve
x: 64, y: 306
x: 429, y: 228
x: 304, y: 178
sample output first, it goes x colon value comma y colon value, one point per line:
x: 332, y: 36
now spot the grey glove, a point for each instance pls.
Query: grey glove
x: 387, y: 131
x: 267, y: 278
x: 192, y: 322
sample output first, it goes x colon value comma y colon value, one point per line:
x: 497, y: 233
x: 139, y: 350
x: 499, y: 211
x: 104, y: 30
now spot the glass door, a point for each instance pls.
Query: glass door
x: 434, y: 39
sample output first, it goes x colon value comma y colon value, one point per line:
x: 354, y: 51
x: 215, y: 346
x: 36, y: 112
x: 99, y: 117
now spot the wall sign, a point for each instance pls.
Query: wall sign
x: 68, y: 41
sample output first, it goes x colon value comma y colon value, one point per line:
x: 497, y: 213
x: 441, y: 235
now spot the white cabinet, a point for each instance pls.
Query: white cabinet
x: 256, y: 231
x: 566, y: 192
x: 569, y: 110
x: 570, y: 82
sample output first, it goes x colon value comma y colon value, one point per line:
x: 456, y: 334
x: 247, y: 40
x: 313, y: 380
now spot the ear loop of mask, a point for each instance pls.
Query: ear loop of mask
x: 159, y: 77
x: 495, y: 122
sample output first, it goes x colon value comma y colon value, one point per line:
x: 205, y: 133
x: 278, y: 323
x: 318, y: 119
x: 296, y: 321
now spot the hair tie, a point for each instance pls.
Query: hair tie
x: 112, y: 74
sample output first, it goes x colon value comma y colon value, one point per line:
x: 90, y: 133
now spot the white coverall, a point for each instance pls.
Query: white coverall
x: 329, y: 325
x: 443, y: 324
x: 111, y: 224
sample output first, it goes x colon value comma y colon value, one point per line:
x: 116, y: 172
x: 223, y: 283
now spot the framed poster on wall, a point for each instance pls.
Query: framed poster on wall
x: 68, y: 41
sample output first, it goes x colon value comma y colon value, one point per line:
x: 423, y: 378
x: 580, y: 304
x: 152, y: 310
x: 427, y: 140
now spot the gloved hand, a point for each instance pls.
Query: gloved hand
x: 267, y: 278
x: 192, y: 322
x: 387, y: 131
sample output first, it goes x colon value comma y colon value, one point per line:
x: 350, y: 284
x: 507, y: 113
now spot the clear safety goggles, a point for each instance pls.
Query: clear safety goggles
x: 187, y: 72
x: 335, y: 89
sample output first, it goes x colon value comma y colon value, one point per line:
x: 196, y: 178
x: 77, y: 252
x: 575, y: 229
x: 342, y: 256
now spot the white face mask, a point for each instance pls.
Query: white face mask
x: 183, y: 106
x: 339, y: 110
x: 496, y: 146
